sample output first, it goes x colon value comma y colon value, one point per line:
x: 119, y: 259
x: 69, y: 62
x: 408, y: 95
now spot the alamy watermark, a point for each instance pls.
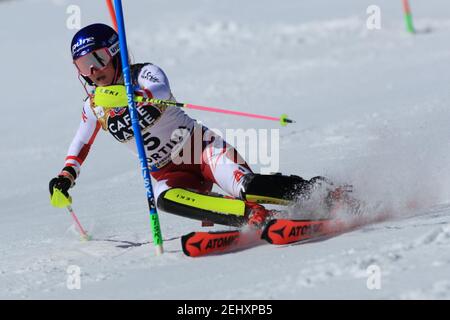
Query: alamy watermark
x: 374, y: 277
x: 216, y: 147
x: 73, y: 281
x: 74, y: 19
x: 373, y: 21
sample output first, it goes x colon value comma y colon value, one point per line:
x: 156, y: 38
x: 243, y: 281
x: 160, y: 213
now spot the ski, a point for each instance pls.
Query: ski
x: 286, y: 231
x: 200, y: 243
x: 277, y: 232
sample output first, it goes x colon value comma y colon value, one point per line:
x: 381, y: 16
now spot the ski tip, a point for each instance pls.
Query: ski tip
x: 184, y: 241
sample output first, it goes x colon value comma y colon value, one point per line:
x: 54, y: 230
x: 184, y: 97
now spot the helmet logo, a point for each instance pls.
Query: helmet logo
x: 113, y: 39
x: 82, y: 42
x: 114, y: 49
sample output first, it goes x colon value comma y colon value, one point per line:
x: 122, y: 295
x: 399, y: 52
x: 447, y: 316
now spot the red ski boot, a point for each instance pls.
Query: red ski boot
x: 257, y: 215
x: 341, y: 197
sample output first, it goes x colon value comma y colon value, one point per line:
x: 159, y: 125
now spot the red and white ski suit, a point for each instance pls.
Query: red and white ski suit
x: 169, y: 135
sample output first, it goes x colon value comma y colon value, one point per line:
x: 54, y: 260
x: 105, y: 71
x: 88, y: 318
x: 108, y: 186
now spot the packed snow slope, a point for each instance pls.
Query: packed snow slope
x: 372, y: 109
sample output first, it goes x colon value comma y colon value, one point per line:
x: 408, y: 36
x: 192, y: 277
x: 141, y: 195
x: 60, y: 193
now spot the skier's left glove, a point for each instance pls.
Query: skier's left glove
x: 63, y: 182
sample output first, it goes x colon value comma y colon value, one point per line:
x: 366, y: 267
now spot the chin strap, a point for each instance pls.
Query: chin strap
x: 86, y: 82
x: 118, y: 69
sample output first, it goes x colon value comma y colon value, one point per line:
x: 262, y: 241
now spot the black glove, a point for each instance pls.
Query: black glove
x: 64, y: 181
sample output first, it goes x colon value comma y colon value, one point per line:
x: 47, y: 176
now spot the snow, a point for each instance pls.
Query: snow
x: 371, y: 109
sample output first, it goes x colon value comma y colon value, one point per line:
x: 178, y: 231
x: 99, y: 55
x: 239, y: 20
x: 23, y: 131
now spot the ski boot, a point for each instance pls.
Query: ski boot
x: 274, y: 189
x: 257, y: 215
x: 340, y: 198
x: 324, y: 198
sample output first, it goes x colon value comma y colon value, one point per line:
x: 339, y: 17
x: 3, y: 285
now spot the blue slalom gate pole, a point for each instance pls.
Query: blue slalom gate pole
x: 154, y: 219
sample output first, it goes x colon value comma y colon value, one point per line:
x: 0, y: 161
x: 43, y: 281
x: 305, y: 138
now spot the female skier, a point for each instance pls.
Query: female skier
x: 187, y: 166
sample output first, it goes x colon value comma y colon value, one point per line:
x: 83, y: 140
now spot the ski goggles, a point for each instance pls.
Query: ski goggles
x: 97, y: 60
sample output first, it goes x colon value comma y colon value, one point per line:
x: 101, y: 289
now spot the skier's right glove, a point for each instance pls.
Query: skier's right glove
x: 62, y: 183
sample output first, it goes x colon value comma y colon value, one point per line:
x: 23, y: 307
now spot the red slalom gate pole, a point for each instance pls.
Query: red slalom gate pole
x: 112, y: 13
x: 408, y: 17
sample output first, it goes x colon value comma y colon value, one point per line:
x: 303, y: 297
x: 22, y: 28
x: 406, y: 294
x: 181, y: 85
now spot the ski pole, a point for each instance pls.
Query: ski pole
x: 154, y: 219
x: 408, y: 17
x: 59, y: 200
x: 115, y: 97
x: 83, y: 233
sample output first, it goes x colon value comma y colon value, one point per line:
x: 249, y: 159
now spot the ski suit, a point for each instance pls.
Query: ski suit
x: 165, y: 131
x: 188, y: 157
